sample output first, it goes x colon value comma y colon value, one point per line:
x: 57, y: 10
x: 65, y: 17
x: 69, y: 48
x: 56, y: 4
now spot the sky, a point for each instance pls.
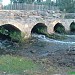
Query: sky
x: 6, y: 2
x: 53, y: 0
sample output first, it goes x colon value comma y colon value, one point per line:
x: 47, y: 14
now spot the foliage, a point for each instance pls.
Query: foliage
x: 56, y: 36
x: 39, y: 28
x: 15, y: 36
x: 3, y: 31
x: 68, y: 5
x: 59, y: 28
x: 22, y: 1
x: 38, y: 1
x: 42, y: 31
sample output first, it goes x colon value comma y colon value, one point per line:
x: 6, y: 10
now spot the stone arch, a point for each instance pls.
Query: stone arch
x: 59, y: 28
x: 9, y: 31
x: 72, y: 27
x: 10, y: 27
x: 39, y: 28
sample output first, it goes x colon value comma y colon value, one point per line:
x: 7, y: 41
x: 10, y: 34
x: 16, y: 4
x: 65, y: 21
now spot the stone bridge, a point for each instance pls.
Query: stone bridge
x: 26, y: 20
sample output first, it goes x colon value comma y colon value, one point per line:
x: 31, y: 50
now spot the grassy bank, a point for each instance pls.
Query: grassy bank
x: 17, y: 65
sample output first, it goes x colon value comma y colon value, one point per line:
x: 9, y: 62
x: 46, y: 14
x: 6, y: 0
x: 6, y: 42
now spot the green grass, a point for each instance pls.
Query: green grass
x: 16, y: 65
x: 71, y: 73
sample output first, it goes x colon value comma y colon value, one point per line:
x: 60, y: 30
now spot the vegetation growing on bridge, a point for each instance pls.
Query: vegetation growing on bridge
x: 39, y: 28
x: 10, y: 32
x: 59, y: 28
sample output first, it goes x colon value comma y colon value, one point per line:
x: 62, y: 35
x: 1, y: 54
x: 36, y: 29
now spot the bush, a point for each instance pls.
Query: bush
x: 14, y: 36
x: 39, y: 28
x: 59, y: 28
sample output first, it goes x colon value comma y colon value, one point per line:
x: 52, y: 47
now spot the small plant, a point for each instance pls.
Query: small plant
x: 42, y: 31
x: 15, y: 36
x: 3, y: 31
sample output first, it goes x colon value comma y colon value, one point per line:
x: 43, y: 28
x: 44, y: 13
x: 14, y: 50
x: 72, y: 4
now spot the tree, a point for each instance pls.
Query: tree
x: 68, y: 5
x: 38, y: 1
x: 29, y: 1
x: 22, y: 1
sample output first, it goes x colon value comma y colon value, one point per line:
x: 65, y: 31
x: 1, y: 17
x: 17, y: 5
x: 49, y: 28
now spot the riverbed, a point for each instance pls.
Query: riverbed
x: 57, y: 53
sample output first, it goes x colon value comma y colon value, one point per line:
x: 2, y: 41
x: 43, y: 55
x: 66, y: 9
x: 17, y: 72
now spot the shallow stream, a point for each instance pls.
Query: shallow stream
x: 60, y: 53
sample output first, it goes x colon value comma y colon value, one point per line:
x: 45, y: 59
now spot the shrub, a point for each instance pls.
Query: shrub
x: 14, y: 36
x: 59, y: 28
x: 39, y: 28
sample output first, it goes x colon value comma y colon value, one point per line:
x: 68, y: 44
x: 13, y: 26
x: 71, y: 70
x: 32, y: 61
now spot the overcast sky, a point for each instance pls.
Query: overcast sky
x: 54, y: 0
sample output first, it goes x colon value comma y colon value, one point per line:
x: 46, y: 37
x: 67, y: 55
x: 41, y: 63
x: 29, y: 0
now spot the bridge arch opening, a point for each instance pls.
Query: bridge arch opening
x: 59, y: 28
x: 9, y: 32
x: 39, y: 28
x: 72, y: 27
